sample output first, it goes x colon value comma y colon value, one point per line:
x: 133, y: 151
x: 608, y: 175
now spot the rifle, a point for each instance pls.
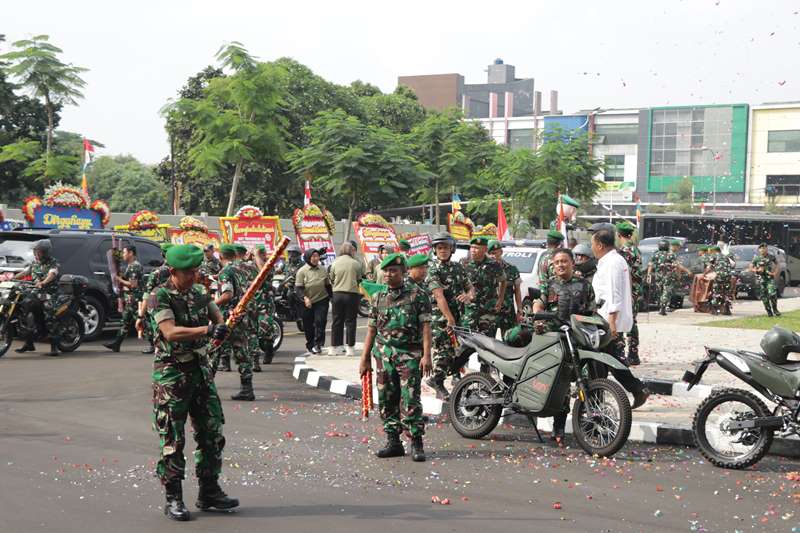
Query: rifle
x: 241, y: 306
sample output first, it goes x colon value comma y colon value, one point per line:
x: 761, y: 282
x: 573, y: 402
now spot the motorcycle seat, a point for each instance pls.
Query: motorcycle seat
x: 500, y: 349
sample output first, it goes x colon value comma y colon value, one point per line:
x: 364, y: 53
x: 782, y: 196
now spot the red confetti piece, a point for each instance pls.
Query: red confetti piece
x: 446, y: 501
x: 435, y: 499
x: 557, y: 505
x: 288, y: 435
x: 335, y: 434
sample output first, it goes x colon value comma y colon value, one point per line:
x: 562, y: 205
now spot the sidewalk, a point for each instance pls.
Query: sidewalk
x: 668, y: 346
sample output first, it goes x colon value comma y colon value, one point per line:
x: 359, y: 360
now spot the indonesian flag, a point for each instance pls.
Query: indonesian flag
x: 88, y: 157
x: 503, y: 233
x: 307, y: 194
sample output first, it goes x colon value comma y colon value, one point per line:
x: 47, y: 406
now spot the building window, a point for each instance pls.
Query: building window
x: 615, y: 168
x: 617, y: 133
x: 691, y: 142
x: 520, y: 139
x: 783, y: 185
x: 783, y: 141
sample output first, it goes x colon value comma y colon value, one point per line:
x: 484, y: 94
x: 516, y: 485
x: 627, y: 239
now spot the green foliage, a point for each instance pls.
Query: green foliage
x: 362, y: 89
x: 396, y: 112
x: 127, y: 184
x: 360, y: 164
x: 682, y: 196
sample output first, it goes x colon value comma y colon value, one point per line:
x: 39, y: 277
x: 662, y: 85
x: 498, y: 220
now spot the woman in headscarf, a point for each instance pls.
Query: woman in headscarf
x: 313, y: 289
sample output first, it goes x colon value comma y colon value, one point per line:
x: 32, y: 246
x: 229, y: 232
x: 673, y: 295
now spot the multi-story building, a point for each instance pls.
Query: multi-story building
x: 774, y: 148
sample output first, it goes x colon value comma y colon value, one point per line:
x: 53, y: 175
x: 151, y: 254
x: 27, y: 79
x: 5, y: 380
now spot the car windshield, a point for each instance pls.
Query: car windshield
x: 15, y: 254
x: 743, y: 253
x: 524, y: 260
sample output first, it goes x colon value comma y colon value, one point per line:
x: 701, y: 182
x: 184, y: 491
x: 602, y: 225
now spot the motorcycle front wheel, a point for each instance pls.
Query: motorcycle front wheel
x: 6, y: 336
x: 725, y: 447
x: 72, y: 330
x: 602, y: 422
x: 474, y: 421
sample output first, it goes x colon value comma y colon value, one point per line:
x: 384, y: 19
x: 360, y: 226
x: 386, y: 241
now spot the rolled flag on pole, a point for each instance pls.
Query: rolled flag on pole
x: 638, y: 214
x: 307, y: 193
x: 503, y: 233
x: 88, y: 156
x: 567, y: 208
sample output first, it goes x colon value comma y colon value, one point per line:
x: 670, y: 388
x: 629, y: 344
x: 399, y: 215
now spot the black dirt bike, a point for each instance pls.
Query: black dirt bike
x: 17, y: 320
x: 536, y: 380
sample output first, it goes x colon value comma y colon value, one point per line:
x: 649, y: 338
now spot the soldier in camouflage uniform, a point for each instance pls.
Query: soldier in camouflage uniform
x: 511, y: 313
x: 554, y: 240
x: 666, y: 266
x: 566, y: 294
x: 450, y: 289
x: 157, y: 277
x: 233, y: 281
x: 211, y: 266
x: 722, y: 270
x: 183, y: 384
x: 765, y: 267
x: 246, y: 261
x: 488, y: 278
x: 265, y: 303
x: 630, y: 252
x: 132, y: 284
x: 45, y: 273
x: 418, y: 271
x: 399, y: 338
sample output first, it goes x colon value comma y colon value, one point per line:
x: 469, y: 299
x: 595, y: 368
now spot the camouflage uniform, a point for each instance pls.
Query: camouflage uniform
x: 398, y: 316
x: 132, y: 297
x: 508, y: 315
x: 721, y: 286
x: 255, y: 330
x: 234, y: 279
x: 767, y: 290
x: 546, y: 272
x: 211, y: 267
x: 39, y: 270
x: 665, y: 267
x: 266, y: 324
x: 630, y: 252
x: 154, y: 279
x: 485, y: 277
x: 183, y: 384
x: 451, y: 277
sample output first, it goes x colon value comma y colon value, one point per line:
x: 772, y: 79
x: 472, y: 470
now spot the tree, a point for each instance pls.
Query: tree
x: 452, y: 151
x: 393, y: 111
x: 361, y: 89
x: 355, y: 161
x: 35, y: 64
x: 682, y: 196
x: 237, y: 121
x: 127, y: 184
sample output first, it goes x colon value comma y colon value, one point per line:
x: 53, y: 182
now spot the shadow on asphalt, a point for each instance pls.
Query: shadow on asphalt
x: 404, y: 511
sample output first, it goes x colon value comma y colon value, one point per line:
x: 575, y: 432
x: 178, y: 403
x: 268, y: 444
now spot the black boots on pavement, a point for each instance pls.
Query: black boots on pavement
x: 174, y: 508
x: 246, y: 393
x: 27, y: 347
x: 417, y: 451
x: 54, y: 342
x: 113, y: 345
x: 211, y: 496
x: 394, y: 448
x: 437, y: 384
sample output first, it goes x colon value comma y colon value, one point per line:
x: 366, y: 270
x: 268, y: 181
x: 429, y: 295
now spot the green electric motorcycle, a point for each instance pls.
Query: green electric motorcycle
x: 733, y: 428
x: 536, y: 381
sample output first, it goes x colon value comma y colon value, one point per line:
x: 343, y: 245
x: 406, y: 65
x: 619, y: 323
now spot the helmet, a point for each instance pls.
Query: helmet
x: 440, y: 238
x: 663, y: 246
x: 293, y: 249
x: 583, y: 249
x: 518, y: 337
x: 778, y: 342
x: 44, y: 246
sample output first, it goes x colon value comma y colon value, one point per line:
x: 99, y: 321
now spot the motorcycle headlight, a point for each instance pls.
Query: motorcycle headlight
x: 593, y: 335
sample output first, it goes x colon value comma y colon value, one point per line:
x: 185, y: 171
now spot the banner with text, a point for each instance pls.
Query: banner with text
x: 372, y: 231
x: 250, y: 231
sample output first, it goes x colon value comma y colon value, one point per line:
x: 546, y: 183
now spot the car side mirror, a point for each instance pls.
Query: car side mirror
x: 601, y: 303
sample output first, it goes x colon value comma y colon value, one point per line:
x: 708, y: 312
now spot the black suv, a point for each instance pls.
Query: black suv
x: 82, y: 253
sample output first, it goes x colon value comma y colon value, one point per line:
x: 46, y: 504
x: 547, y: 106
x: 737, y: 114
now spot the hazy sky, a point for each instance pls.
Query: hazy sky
x: 632, y: 53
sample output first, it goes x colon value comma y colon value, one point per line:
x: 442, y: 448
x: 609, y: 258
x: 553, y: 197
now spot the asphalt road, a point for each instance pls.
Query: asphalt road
x: 77, y: 454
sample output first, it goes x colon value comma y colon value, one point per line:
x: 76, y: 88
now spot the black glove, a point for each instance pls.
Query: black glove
x: 217, y: 332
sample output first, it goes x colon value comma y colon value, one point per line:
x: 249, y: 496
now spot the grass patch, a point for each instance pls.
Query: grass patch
x: 789, y: 320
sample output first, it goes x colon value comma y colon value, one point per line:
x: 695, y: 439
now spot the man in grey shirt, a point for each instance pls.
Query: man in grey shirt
x: 345, y: 274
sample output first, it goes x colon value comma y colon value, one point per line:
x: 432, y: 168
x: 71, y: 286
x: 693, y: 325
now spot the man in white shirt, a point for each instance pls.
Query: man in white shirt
x: 612, y: 287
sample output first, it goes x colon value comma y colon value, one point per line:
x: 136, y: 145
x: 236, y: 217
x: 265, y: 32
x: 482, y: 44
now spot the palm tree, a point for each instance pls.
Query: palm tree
x: 36, y: 66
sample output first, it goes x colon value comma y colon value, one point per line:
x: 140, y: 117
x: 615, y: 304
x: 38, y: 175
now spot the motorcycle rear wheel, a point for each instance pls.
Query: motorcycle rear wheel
x: 474, y: 422
x: 364, y: 307
x: 6, y: 336
x: 710, y: 437
x: 72, y: 330
x: 602, y: 423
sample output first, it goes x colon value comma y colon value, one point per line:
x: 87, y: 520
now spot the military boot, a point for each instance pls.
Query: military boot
x: 28, y: 346
x: 257, y: 362
x: 393, y: 448
x: 54, y: 351
x: 211, y: 496
x: 417, y: 451
x: 225, y: 363
x: 774, y: 301
x: 174, y: 507
x: 269, y: 354
x: 114, y: 345
x: 246, y: 393
x: 662, y: 311
x: 437, y: 384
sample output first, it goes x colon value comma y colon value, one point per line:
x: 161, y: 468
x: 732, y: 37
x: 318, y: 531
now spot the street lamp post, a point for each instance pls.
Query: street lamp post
x: 715, y: 156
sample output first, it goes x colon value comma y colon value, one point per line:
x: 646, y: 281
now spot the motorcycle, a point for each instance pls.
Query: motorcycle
x: 536, y: 379
x: 16, y: 320
x: 286, y: 303
x: 734, y: 428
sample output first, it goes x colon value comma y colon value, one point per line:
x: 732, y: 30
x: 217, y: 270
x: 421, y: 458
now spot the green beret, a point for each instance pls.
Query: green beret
x: 261, y: 248
x: 166, y: 246
x: 625, y: 227
x: 184, y: 256
x: 494, y: 244
x: 675, y: 242
x: 227, y: 249
x: 417, y: 260
x: 240, y: 248
x: 714, y: 248
x: 404, y: 244
x: 479, y: 240
x: 557, y: 235
x: 395, y: 259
